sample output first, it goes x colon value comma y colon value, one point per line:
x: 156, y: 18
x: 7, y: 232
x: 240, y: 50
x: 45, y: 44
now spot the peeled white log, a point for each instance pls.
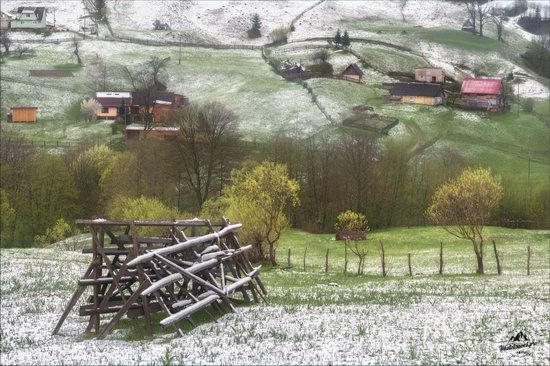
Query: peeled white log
x: 188, y: 311
x: 185, y: 245
x: 168, y: 280
x: 182, y: 303
x: 240, y: 283
x: 212, y: 255
x: 212, y: 248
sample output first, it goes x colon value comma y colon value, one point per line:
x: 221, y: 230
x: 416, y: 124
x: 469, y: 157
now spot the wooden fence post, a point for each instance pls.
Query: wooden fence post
x: 288, y: 258
x: 441, y: 258
x: 529, y: 260
x: 345, y: 256
x: 326, y: 262
x: 409, y: 261
x: 499, y: 269
x: 382, y: 258
x: 305, y: 253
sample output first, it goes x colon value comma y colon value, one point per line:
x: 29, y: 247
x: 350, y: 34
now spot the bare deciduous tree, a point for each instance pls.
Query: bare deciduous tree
x: 76, y: 51
x: 5, y: 41
x: 22, y: 49
x: 208, y: 137
x: 498, y: 18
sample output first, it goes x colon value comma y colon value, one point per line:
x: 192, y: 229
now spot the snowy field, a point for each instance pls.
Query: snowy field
x: 311, y: 317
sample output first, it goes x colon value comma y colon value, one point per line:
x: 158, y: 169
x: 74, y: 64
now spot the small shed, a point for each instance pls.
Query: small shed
x: 418, y: 93
x: 429, y: 75
x: 23, y: 114
x: 352, y: 73
x: 484, y: 94
x: 468, y: 26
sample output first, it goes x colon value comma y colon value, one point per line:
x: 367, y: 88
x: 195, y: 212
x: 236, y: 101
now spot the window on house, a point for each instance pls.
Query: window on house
x: 433, y: 79
x: 411, y: 99
x: 105, y: 110
x: 28, y: 15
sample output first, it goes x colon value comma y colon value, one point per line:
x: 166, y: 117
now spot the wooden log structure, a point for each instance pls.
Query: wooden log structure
x: 195, y: 265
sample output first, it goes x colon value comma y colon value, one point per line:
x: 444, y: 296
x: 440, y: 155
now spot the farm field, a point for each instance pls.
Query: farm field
x: 461, y: 318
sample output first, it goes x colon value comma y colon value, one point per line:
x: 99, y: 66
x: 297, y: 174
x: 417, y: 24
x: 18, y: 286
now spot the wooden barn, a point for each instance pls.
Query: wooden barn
x: 418, y: 93
x: 136, y: 132
x: 161, y: 104
x: 23, y: 114
x: 429, y: 75
x: 483, y: 94
x: 352, y: 73
x: 111, y: 102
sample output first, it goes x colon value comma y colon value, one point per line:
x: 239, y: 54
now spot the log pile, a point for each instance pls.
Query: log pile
x: 189, y: 267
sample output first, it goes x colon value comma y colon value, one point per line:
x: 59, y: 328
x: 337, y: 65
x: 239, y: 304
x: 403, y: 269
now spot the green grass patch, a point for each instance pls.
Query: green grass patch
x: 68, y: 67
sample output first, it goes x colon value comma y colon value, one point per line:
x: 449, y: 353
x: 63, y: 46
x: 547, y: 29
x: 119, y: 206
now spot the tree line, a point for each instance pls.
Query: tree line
x: 211, y: 170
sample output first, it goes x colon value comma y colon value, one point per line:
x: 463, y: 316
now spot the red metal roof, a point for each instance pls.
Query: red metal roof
x: 481, y: 86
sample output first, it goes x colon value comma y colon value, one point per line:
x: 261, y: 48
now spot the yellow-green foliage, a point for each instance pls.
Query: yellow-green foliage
x: 7, y: 215
x: 466, y: 200
x: 463, y: 206
x: 258, y: 199
x: 142, y: 208
x: 59, y: 231
x: 351, y: 221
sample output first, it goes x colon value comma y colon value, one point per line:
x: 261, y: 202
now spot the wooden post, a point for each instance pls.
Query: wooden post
x: 441, y: 258
x: 326, y: 262
x: 382, y: 258
x: 345, y: 256
x: 529, y: 260
x: 499, y: 269
x: 305, y: 253
x: 410, y: 267
x: 288, y: 258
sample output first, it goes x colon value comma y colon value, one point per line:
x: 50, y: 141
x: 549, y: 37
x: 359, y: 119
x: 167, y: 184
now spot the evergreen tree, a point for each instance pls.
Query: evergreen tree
x: 338, y: 37
x: 345, y: 39
x: 256, y: 22
x: 255, y: 32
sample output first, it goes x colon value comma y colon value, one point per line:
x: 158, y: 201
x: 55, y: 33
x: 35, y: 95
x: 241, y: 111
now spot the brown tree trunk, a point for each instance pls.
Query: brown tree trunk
x: 272, y: 254
x: 409, y: 262
x: 305, y: 253
x: 288, y: 258
x: 528, y: 260
x: 479, y: 257
x: 383, y: 259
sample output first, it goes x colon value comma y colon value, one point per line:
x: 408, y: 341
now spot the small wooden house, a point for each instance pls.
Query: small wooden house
x: 111, y: 103
x: 23, y: 114
x: 136, y: 132
x: 418, y: 93
x: 483, y: 94
x: 293, y: 70
x: 352, y: 73
x: 429, y: 75
x: 468, y: 26
x: 5, y: 20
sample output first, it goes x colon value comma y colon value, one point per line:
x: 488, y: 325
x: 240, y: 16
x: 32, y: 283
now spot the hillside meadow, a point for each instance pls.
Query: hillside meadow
x: 461, y: 318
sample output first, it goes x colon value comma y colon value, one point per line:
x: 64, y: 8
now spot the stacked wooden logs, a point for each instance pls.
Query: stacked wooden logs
x: 179, y: 273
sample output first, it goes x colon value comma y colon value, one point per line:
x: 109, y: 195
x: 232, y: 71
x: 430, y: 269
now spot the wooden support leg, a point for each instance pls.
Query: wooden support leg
x: 72, y: 303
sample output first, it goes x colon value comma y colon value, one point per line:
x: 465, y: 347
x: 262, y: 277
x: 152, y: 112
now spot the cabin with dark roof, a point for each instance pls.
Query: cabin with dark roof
x: 352, y: 73
x: 418, y: 93
x: 483, y: 94
x: 5, y: 19
x: 468, y: 26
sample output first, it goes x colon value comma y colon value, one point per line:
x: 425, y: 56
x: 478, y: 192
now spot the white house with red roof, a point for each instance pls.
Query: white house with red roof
x: 484, y: 94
